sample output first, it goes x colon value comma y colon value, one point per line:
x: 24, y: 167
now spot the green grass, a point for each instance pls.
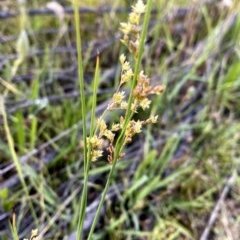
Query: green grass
x: 173, y: 173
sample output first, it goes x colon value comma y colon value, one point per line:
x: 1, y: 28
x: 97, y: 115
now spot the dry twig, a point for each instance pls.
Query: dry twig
x: 217, y: 207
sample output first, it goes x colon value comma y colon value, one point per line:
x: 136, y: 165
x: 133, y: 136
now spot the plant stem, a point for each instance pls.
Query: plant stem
x: 119, y: 143
x: 15, y: 157
x: 84, y: 124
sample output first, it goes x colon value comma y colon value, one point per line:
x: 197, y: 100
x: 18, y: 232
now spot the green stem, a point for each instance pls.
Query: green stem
x: 120, y: 140
x: 85, y: 184
x: 84, y: 125
x: 15, y: 157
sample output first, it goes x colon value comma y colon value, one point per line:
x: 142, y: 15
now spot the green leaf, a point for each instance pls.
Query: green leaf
x: 4, y: 193
x: 232, y: 78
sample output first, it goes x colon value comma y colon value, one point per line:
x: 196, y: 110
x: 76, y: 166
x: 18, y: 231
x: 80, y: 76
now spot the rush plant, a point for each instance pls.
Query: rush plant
x: 125, y: 105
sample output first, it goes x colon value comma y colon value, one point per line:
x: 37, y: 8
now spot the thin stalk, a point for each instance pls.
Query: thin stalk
x: 94, y: 100
x: 15, y: 157
x: 83, y: 111
x: 85, y: 183
x: 13, y: 227
x: 119, y: 143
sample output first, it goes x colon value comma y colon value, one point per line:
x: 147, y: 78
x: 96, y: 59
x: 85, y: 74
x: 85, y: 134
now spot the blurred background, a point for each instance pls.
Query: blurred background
x: 176, y: 175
